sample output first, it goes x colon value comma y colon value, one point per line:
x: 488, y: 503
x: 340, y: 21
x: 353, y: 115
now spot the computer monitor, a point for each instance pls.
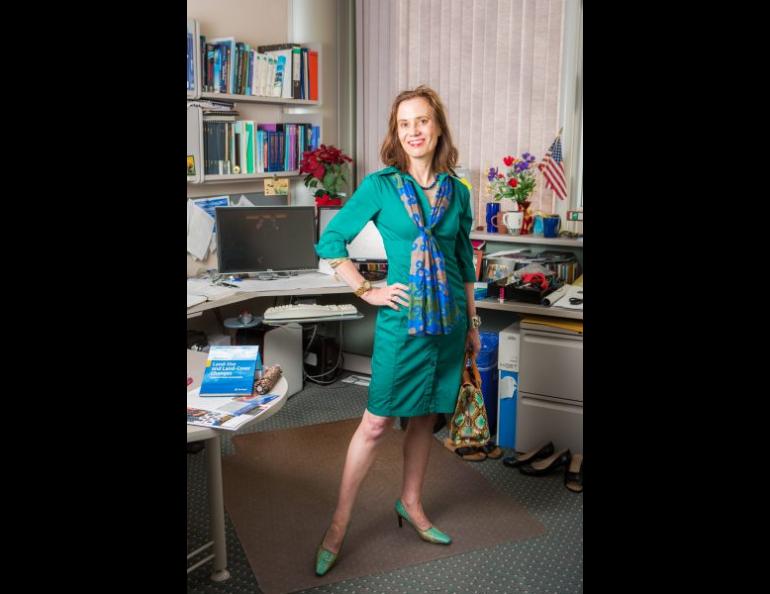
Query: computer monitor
x: 367, y: 245
x: 266, y: 239
x: 366, y: 250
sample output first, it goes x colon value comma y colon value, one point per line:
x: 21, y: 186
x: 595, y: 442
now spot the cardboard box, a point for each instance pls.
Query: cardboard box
x: 508, y: 385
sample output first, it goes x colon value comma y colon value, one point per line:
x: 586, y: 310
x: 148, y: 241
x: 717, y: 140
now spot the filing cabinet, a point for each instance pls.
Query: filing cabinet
x: 550, y: 387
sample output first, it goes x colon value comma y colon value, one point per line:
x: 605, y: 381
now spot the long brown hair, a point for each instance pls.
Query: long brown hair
x: 391, y: 151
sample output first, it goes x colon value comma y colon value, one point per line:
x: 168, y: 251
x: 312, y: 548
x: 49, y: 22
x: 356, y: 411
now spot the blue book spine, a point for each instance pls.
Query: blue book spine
x: 250, y: 74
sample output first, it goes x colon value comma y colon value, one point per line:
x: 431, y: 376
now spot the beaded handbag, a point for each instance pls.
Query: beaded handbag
x: 470, y: 426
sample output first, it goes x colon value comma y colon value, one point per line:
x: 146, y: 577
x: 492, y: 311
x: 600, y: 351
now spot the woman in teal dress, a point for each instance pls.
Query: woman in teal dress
x: 427, y: 320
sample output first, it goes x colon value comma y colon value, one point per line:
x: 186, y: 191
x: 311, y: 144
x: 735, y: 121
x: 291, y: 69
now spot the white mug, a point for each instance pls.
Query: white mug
x: 513, y: 221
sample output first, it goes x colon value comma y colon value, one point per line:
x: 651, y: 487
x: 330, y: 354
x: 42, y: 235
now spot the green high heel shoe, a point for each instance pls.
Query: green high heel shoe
x: 324, y: 558
x: 432, y: 534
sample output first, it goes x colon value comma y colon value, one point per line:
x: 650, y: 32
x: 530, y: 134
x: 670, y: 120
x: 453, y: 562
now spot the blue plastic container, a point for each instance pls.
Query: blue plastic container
x: 488, y: 354
x: 486, y: 362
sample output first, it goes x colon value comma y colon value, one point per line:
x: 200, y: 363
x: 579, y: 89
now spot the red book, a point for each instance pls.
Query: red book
x: 312, y: 64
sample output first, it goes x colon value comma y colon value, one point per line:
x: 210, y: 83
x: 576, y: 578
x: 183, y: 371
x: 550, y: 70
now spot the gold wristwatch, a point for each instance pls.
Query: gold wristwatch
x: 475, y: 321
x: 365, y: 286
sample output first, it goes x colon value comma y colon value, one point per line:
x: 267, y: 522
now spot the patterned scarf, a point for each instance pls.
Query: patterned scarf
x: 432, y: 308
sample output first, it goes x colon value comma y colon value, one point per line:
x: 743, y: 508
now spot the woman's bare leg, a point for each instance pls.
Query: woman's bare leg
x: 360, y: 456
x: 417, y: 443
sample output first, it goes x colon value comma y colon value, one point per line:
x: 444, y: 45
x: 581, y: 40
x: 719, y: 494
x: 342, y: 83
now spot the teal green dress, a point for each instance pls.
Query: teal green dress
x: 411, y: 375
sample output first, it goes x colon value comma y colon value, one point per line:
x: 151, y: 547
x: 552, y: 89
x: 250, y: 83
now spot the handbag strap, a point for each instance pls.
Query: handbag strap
x: 471, y: 373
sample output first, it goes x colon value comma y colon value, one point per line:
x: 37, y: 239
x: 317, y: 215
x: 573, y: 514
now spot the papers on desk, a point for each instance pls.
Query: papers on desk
x: 195, y: 300
x: 200, y: 227
x: 201, y: 224
x: 204, y: 288
x: 226, y: 413
x: 574, y: 293
x: 308, y: 280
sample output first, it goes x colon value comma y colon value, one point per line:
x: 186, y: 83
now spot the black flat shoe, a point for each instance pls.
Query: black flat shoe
x: 573, y: 474
x: 546, y: 465
x: 537, y: 454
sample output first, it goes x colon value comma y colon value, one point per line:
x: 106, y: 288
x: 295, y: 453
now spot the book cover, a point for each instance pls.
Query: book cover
x: 226, y: 82
x: 282, y: 86
x: 230, y: 371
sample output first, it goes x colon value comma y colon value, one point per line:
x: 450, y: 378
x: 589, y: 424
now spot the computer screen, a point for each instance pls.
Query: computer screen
x: 261, y: 238
x: 367, y: 245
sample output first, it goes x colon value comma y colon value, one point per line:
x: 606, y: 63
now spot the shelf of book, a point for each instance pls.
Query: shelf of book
x: 213, y: 179
x: 259, y: 99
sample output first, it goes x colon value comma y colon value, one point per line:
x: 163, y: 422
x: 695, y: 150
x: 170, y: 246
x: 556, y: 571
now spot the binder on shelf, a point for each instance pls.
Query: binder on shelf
x: 305, y: 86
x: 193, y: 59
x: 195, y: 153
x: 312, y: 59
x: 296, y: 73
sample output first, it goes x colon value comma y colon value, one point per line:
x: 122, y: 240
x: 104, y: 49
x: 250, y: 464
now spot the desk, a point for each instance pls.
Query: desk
x: 246, y: 295
x: 196, y: 363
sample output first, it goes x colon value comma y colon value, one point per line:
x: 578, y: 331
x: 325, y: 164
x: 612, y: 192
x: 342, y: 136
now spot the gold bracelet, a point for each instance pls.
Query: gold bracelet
x: 365, y: 286
x: 337, y: 261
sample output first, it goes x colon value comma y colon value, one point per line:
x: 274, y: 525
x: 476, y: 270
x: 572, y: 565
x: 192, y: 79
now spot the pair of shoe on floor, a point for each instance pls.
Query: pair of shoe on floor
x: 475, y: 454
x: 544, y: 460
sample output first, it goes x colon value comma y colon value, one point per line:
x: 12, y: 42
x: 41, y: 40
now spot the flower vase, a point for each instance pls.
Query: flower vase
x: 526, y: 226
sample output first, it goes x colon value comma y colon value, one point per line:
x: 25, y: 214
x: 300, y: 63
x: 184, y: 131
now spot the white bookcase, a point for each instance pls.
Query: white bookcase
x: 252, y: 107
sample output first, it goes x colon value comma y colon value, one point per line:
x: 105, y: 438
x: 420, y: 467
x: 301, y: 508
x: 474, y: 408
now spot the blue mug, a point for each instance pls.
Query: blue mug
x: 493, y: 210
x: 551, y: 226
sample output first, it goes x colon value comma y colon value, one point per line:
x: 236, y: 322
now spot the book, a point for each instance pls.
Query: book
x: 227, y: 413
x: 230, y: 371
x: 282, y: 83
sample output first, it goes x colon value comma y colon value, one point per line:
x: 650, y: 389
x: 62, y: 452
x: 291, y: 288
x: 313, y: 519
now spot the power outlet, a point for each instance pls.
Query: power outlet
x: 311, y: 359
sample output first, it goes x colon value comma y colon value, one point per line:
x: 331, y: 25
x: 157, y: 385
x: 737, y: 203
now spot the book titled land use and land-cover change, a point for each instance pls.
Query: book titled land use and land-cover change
x: 230, y: 371
x: 225, y: 399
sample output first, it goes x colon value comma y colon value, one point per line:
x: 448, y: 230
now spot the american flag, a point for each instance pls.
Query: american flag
x: 552, y: 167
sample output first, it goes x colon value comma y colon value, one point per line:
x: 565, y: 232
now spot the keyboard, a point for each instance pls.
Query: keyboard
x: 308, y: 310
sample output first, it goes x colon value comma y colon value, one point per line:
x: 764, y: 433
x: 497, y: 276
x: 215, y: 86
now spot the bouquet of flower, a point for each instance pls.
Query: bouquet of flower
x: 517, y: 183
x: 327, y: 166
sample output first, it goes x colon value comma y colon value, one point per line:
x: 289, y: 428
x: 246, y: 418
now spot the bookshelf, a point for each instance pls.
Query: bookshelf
x: 260, y: 109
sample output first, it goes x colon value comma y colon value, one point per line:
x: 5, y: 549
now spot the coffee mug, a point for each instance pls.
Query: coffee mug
x: 551, y: 226
x: 493, y: 211
x: 537, y: 228
x: 513, y: 220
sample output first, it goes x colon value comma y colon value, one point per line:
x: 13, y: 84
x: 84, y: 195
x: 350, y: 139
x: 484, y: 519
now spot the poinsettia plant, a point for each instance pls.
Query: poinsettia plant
x: 327, y: 167
x: 517, y: 183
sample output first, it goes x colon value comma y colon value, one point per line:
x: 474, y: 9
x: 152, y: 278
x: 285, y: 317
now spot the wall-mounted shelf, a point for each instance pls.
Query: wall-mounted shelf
x: 529, y: 308
x: 258, y: 99
x: 214, y: 179
x: 530, y: 239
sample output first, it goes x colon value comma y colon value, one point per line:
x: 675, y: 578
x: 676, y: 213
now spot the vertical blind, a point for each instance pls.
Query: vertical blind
x: 496, y: 64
